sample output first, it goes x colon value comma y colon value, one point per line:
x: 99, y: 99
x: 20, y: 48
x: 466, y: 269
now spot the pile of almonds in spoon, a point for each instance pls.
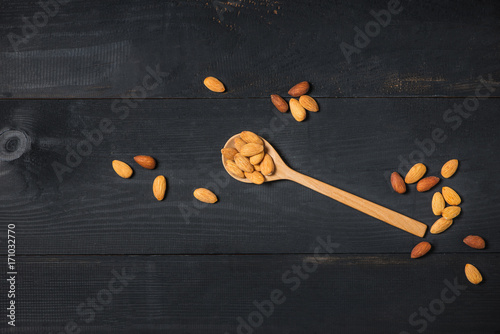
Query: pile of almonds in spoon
x: 248, y: 158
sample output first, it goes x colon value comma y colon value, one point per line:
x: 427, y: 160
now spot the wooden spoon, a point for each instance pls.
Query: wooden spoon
x: 283, y: 172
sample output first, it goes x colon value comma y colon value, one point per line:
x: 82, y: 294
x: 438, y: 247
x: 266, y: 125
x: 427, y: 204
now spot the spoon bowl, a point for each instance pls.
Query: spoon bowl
x: 283, y: 172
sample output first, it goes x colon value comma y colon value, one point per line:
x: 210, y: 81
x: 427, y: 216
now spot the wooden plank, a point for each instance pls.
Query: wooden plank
x: 353, y: 144
x: 206, y: 294
x: 104, y: 49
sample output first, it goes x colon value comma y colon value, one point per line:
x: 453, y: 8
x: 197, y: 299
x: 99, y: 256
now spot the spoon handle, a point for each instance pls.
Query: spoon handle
x: 377, y: 211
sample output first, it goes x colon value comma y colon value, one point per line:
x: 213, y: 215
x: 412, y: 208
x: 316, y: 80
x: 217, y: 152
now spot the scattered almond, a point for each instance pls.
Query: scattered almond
x: 233, y: 169
x: 256, y: 177
x: 256, y: 159
x: 159, y: 187
x: 229, y: 153
x: 475, y: 241
x: 145, y: 161
x: 204, y: 195
x: 250, y: 137
x: 298, y: 112
x: 473, y: 275
x: 267, y: 165
x: 122, y: 169
x: 214, y: 84
x: 239, y: 143
x: 451, y: 197
x: 451, y: 212
x: 308, y: 103
x: 438, y: 204
x: 397, y: 183
x: 427, y: 183
x: 299, y: 89
x: 449, y: 168
x: 415, y: 173
x: 243, y: 163
x: 279, y: 103
x: 251, y: 149
x: 441, y: 225
x: 420, y: 249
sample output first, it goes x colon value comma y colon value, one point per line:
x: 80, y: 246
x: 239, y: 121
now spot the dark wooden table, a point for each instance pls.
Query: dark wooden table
x: 98, y: 254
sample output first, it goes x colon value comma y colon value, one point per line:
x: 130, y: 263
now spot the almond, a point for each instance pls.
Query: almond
x: 415, y: 173
x: 251, y: 149
x: 449, y: 168
x: 438, y: 204
x: 233, y: 169
x: 145, y: 161
x: 229, y: 152
x: 239, y: 143
x: 397, y: 183
x: 473, y: 275
x: 279, y: 103
x: 257, y: 167
x: 475, y: 241
x: 159, y: 187
x: 204, y: 195
x: 298, y: 111
x: 441, y: 225
x: 214, y: 84
x: 122, y: 169
x: 243, y: 163
x: 427, y: 183
x: 256, y: 159
x: 309, y: 103
x: 420, y: 249
x: 255, y: 177
x: 267, y: 165
x: 451, y: 212
x: 251, y: 137
x: 451, y: 197
x: 299, y: 89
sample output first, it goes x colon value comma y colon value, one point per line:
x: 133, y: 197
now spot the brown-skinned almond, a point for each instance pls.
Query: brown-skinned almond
x: 279, y: 103
x: 299, y: 89
x: 451, y: 212
x: 233, y: 169
x: 256, y: 159
x: 267, y: 165
x: 438, y: 204
x: 420, y: 249
x: 239, y: 143
x: 122, y: 169
x: 204, y: 195
x: 243, y: 163
x: 475, y: 241
x: 309, y: 103
x: 427, y: 183
x: 398, y: 184
x: 256, y: 177
x: 145, y: 161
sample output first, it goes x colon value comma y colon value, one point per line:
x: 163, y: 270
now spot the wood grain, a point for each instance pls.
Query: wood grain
x: 353, y: 144
x: 257, y: 48
x: 206, y: 294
